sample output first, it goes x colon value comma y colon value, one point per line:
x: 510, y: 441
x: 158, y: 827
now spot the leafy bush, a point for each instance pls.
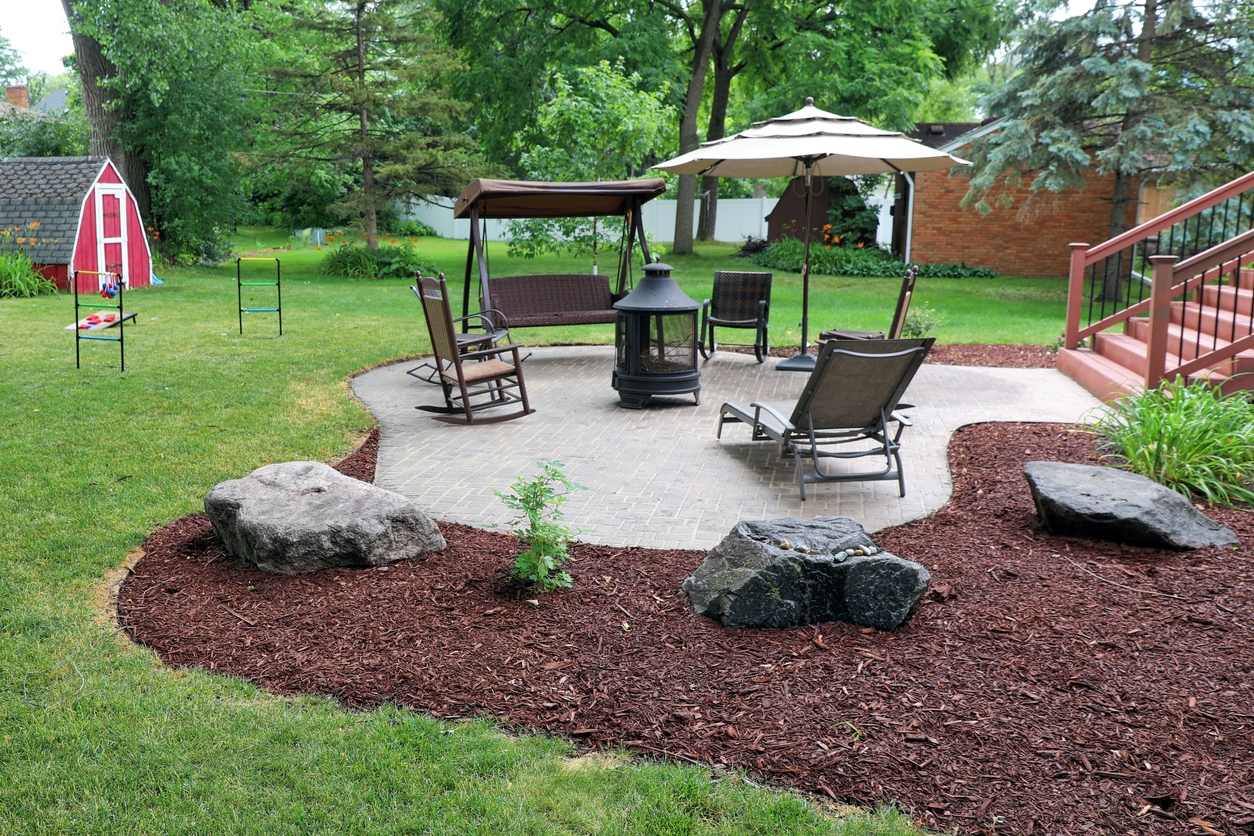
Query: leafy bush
x: 869, y: 262
x: 411, y: 229
x: 18, y: 278
x: 390, y: 261
x: 540, y: 499
x: 921, y: 320
x: 1187, y: 436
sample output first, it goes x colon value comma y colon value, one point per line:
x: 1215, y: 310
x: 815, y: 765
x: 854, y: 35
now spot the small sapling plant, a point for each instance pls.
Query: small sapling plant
x: 538, y: 501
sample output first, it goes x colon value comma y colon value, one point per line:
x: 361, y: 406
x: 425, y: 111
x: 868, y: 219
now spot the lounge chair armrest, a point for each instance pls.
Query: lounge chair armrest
x: 900, y: 419
x: 783, y: 419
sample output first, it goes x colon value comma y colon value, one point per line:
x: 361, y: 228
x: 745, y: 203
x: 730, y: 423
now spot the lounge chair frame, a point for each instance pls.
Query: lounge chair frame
x: 829, y: 414
x: 899, y: 315
x: 470, y: 387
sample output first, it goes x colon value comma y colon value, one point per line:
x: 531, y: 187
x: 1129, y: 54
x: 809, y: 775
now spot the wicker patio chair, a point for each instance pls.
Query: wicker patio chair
x: 739, y: 300
x: 494, y: 380
x: 844, y: 411
x: 482, y: 332
x: 899, y: 315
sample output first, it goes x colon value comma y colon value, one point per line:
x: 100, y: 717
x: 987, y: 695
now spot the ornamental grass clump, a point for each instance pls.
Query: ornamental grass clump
x: 1187, y: 436
x: 540, y: 499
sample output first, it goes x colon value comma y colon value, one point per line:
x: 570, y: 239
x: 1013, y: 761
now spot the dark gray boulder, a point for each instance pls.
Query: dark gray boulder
x: 782, y: 573
x: 1104, y: 503
x: 299, y: 517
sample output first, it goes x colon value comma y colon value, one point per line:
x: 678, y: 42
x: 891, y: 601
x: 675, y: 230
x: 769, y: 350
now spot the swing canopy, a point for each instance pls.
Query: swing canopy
x: 552, y: 299
x: 524, y: 199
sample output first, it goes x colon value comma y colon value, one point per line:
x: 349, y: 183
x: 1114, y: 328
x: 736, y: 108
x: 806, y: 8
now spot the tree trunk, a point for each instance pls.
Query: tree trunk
x: 370, y: 214
x: 103, y: 113
x: 724, y: 72
x: 1116, y: 272
x: 688, y: 139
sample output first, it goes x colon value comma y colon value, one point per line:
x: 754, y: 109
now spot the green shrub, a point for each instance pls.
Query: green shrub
x: 1187, y: 436
x: 921, y: 320
x: 390, y: 261
x: 411, y: 229
x: 19, y: 279
x: 540, y: 499
x: 866, y: 262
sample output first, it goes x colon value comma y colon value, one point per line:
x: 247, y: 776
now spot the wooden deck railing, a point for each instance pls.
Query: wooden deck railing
x: 1210, y: 238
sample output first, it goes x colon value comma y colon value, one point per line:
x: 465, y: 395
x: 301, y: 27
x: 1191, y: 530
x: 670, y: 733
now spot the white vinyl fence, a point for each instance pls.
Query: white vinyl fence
x: 737, y: 219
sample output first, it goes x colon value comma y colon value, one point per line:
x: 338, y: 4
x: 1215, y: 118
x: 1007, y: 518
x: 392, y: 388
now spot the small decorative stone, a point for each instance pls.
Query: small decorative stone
x: 803, y: 548
x: 784, y: 544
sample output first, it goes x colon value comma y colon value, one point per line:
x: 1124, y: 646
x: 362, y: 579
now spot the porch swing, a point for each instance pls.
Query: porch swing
x: 553, y: 298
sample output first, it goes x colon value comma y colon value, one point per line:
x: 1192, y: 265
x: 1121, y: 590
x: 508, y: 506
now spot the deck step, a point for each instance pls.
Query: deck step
x: 1188, y: 343
x: 1133, y: 354
x: 1228, y: 298
x: 1102, y: 377
x: 1209, y: 320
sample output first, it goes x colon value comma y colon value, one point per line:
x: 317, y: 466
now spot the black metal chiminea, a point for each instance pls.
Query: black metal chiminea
x: 655, y: 341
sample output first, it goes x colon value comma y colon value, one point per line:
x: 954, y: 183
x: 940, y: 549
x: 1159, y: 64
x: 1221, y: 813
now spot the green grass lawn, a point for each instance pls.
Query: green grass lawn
x: 97, y: 737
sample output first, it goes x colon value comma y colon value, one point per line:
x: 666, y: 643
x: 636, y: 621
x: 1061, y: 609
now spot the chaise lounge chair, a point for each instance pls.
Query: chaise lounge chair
x: 843, y: 412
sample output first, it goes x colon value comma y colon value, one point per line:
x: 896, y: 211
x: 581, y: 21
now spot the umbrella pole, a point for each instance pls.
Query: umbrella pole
x: 804, y: 362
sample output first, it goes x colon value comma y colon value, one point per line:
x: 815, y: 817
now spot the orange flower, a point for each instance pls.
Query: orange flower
x: 391, y: 240
x: 835, y: 239
x: 415, y: 240
x: 860, y: 245
x: 828, y: 246
x: 34, y: 224
x: 827, y: 226
x: 21, y: 240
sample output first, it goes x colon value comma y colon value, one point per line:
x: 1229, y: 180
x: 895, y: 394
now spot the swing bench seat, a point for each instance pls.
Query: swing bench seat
x: 550, y: 299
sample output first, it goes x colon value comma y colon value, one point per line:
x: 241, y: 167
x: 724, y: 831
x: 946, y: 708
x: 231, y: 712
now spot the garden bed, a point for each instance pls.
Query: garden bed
x: 1044, y: 685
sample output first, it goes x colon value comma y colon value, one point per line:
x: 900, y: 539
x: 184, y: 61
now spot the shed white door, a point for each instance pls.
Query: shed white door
x: 111, y: 232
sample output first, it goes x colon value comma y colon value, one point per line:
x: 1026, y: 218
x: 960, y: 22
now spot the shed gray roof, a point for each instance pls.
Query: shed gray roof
x: 49, y: 190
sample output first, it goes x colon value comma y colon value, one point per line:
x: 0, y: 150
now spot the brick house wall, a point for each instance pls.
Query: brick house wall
x: 1025, y: 239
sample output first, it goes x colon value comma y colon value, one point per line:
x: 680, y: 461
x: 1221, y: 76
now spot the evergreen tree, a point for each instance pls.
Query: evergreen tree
x: 358, y: 86
x: 1151, y: 88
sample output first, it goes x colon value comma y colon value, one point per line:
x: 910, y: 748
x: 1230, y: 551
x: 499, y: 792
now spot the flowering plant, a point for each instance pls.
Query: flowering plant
x: 18, y: 276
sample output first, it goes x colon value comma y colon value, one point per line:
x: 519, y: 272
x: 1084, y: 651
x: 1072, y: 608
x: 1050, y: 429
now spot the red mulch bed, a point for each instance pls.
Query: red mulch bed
x: 1065, y: 686
x: 975, y: 354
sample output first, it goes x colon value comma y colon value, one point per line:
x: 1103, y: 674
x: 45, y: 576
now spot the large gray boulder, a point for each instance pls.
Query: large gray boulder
x: 304, y: 516
x: 1104, y: 503
x: 782, y: 573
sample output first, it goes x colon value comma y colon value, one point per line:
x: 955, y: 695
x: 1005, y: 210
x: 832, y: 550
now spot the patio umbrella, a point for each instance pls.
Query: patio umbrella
x: 812, y: 142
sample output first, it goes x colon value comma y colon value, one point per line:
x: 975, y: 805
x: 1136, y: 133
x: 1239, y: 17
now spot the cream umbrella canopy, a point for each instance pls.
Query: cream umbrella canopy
x: 809, y: 142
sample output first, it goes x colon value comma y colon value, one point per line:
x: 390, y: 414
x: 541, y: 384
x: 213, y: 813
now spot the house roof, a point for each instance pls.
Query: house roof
x: 55, y: 102
x: 937, y: 134
x: 49, y: 190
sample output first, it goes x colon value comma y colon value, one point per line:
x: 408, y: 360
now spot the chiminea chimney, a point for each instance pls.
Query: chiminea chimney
x: 17, y: 96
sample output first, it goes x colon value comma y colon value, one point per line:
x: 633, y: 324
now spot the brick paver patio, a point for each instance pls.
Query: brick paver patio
x: 658, y: 477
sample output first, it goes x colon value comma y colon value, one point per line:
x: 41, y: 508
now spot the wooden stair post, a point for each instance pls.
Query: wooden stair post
x: 1160, y: 318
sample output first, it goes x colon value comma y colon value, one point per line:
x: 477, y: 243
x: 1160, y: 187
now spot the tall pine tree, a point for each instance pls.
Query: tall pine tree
x: 1160, y: 88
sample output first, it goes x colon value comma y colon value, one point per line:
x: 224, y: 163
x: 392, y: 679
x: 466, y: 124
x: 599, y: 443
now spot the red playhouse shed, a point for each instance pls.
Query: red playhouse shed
x: 86, y: 217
